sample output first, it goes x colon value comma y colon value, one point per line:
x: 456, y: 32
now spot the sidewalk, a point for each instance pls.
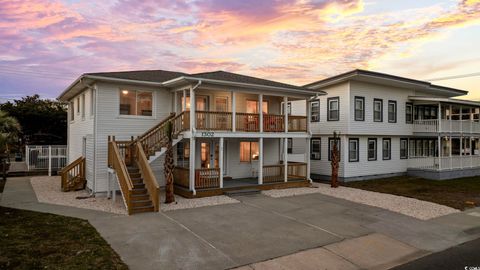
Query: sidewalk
x: 251, y: 233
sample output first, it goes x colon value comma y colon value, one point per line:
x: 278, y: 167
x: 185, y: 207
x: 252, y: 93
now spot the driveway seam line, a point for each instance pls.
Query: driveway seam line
x: 199, y: 237
x: 296, y: 220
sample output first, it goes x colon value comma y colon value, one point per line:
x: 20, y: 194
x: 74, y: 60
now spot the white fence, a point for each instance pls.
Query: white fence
x: 45, y: 157
x: 452, y: 126
x: 444, y: 163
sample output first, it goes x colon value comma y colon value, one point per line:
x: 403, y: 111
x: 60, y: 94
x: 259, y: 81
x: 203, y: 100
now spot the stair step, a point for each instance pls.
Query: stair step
x: 135, y: 175
x: 137, y: 181
x: 140, y: 197
x: 242, y: 192
x: 141, y: 203
x: 132, y: 169
x: 141, y: 209
x: 139, y: 191
x: 138, y: 185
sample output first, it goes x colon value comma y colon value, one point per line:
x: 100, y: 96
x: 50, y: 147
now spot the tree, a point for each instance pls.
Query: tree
x: 335, y: 160
x: 43, y: 121
x: 168, y: 165
x: 9, y: 130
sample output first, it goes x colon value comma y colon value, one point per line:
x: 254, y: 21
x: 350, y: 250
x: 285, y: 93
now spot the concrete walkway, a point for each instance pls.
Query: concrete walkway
x: 311, y: 231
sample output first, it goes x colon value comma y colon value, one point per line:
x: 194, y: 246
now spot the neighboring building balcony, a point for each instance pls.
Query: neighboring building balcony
x: 242, y: 122
x: 446, y: 126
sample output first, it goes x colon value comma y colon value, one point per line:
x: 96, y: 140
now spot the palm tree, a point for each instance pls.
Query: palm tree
x: 9, y: 130
x: 168, y: 165
x: 335, y: 160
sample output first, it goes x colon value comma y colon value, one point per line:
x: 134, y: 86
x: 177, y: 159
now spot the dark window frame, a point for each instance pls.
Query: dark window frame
x: 319, y: 149
x: 376, y: 149
x: 406, y: 149
x: 350, y: 159
x: 289, y: 145
x: 330, y: 139
x: 389, y: 140
x: 318, y: 112
x: 362, y: 116
x: 394, y: 120
x: 381, y: 109
x: 411, y: 113
x: 329, y: 118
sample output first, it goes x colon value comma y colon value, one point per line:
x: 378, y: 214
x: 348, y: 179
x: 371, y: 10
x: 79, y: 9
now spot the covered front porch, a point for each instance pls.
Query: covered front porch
x: 256, y: 163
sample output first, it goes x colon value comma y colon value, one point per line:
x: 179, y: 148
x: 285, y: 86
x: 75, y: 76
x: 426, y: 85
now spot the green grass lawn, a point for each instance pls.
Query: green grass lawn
x: 459, y: 193
x: 33, y: 240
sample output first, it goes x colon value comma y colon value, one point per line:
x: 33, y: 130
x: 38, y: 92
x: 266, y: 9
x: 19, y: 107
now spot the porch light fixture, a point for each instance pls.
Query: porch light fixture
x: 125, y: 92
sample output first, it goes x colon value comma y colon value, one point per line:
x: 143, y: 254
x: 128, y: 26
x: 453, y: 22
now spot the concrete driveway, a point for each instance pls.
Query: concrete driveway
x: 265, y: 233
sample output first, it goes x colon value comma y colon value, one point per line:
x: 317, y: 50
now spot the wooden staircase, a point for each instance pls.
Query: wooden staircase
x: 140, y: 198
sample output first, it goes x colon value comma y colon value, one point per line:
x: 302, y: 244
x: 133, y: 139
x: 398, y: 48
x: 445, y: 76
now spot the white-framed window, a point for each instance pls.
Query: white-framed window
x: 359, y: 108
x: 353, y: 150
x: 183, y: 154
x: 252, y: 106
x: 377, y: 110
x: 315, y: 149
x: 330, y: 148
x: 136, y: 102
x: 289, y: 145
x: 83, y: 107
x: 392, y: 111
x: 409, y: 113
x: 315, y: 111
x: 72, y: 110
x: 387, y: 149
x: 372, y: 149
x: 403, y: 148
x: 333, y: 109
x: 249, y: 151
x: 92, y: 102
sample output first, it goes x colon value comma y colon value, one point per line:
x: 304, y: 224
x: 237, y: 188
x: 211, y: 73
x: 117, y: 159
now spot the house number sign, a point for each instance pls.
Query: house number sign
x: 208, y: 134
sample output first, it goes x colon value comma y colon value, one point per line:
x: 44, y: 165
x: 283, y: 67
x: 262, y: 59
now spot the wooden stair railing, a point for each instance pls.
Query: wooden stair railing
x: 116, y: 162
x: 155, y: 138
x: 148, y: 177
x: 73, y: 175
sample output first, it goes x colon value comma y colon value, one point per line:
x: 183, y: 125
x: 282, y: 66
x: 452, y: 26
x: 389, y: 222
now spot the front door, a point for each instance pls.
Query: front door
x: 209, y: 155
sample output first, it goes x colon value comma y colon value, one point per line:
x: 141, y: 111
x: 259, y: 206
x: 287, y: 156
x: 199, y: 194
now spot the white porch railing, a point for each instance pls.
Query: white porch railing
x: 444, y: 163
x: 431, y: 125
x: 45, y: 157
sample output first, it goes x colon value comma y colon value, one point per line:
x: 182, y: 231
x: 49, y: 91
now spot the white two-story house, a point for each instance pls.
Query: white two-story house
x: 230, y: 132
x: 391, y: 125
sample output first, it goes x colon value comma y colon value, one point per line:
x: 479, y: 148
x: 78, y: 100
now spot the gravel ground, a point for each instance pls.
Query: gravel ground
x: 47, y: 189
x: 408, y: 206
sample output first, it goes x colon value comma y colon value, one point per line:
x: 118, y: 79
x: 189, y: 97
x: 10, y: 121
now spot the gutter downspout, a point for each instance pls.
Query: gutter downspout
x: 192, y: 146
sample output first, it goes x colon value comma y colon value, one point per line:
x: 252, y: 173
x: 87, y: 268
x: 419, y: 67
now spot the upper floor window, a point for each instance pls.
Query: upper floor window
x: 377, y: 110
x: 78, y: 105
x: 83, y: 106
x: 134, y: 102
x: 249, y: 151
x: 359, y: 108
x: 409, y: 113
x: 392, y: 111
x: 403, y: 148
x: 72, y: 111
x: 330, y: 147
x: 315, y: 111
x: 315, y: 152
x: 353, y: 151
x: 92, y: 102
x: 252, y: 106
x: 372, y: 149
x: 387, y: 149
x: 333, y: 109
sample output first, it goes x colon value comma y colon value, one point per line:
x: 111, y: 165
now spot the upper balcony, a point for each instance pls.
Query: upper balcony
x: 238, y: 112
x: 440, y: 115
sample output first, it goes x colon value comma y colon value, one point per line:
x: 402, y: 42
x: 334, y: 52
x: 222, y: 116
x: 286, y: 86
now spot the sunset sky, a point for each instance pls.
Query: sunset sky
x: 45, y: 45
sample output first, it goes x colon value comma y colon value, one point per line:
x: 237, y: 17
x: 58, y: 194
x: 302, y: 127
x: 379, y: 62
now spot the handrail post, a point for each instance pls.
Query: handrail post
x: 49, y: 160
x: 234, y: 112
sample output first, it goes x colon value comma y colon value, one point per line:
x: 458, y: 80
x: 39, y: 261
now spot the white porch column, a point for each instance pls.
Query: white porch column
x: 308, y: 116
x: 285, y: 113
x: 220, y: 160
x: 192, y: 165
x: 260, y: 111
x: 175, y: 102
x: 439, y: 152
x: 184, y: 105
x: 439, y: 117
x: 192, y: 109
x: 285, y: 159
x: 307, y: 158
x: 450, y: 120
x: 461, y: 149
x: 450, y: 151
x: 260, y: 161
x: 234, y: 112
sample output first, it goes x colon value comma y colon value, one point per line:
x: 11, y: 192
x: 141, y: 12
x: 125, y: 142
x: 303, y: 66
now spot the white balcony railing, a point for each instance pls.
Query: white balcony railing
x: 444, y: 163
x: 449, y: 126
